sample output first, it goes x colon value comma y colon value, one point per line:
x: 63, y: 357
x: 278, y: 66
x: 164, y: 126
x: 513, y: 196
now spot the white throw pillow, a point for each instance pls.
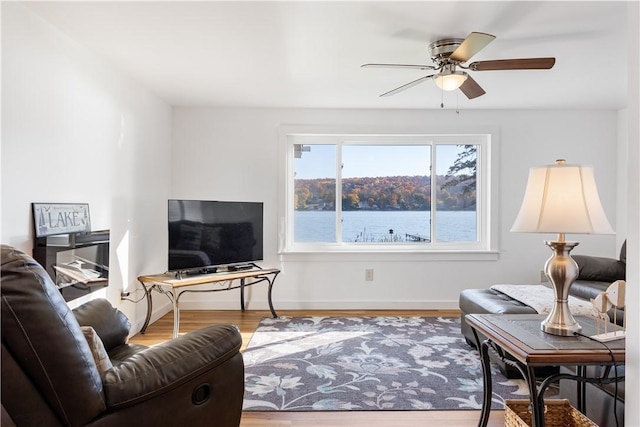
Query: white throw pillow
x: 97, y: 349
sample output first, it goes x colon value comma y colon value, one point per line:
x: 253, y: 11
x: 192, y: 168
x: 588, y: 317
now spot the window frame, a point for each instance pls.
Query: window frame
x: 486, y: 213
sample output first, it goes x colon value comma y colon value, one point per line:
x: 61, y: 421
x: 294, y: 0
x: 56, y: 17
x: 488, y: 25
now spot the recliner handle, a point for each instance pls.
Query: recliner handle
x: 201, y: 394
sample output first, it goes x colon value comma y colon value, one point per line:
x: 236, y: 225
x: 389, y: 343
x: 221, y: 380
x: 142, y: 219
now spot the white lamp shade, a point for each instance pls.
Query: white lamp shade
x: 562, y: 198
x: 450, y: 81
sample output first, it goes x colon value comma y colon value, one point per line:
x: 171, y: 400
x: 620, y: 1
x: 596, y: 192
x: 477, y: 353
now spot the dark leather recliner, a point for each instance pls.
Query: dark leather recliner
x: 50, y: 376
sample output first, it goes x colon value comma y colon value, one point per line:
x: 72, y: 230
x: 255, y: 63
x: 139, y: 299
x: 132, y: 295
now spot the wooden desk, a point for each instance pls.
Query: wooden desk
x: 520, y: 336
x: 173, y: 288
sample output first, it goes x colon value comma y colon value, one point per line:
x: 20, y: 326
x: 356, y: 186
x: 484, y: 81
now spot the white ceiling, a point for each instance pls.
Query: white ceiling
x: 308, y: 54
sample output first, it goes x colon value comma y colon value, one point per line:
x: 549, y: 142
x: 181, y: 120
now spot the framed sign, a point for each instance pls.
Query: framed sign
x: 60, y: 218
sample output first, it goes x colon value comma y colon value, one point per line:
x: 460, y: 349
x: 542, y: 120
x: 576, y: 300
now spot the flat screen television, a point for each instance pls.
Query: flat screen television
x: 206, y: 233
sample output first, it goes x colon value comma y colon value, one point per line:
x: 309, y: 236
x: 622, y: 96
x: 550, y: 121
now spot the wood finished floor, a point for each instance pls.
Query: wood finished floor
x: 247, y: 321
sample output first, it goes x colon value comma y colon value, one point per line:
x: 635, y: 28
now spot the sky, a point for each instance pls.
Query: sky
x: 371, y: 161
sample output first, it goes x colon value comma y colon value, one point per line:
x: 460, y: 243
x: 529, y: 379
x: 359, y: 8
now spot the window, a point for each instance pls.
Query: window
x: 418, y: 193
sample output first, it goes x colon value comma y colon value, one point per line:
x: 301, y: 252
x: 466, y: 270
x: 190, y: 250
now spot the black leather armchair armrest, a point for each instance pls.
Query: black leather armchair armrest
x: 599, y: 268
x: 111, y: 325
x: 160, y: 369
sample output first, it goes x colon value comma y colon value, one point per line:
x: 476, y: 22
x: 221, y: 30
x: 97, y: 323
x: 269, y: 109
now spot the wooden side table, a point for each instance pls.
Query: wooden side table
x: 173, y: 287
x: 520, y: 336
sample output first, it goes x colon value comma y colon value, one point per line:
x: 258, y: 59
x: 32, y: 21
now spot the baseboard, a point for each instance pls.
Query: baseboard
x: 321, y: 305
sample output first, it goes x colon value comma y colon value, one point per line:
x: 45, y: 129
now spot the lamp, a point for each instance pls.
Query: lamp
x: 561, y: 199
x: 450, y: 80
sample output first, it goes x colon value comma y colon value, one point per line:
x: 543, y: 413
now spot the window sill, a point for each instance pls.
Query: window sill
x: 387, y: 255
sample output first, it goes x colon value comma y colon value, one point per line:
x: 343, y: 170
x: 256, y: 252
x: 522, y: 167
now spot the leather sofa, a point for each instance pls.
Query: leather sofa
x: 63, y: 367
x: 595, y: 275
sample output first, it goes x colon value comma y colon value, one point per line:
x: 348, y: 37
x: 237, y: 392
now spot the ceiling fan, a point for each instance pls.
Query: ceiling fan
x: 449, y: 55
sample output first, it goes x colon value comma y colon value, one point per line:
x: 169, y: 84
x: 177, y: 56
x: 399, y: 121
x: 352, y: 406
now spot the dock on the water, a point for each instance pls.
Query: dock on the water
x: 416, y: 238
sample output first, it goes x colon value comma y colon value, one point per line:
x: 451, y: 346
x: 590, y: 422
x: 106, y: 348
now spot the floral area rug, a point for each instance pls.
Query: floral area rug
x: 367, y: 363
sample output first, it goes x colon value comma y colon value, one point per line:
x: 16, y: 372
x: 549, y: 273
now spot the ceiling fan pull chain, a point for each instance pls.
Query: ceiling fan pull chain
x: 457, y: 102
x: 441, y: 98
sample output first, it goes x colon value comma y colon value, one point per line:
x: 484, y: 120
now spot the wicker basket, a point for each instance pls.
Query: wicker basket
x: 557, y: 413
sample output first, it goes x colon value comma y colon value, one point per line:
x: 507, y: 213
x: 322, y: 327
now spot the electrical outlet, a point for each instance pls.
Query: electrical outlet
x: 368, y: 275
x: 543, y: 277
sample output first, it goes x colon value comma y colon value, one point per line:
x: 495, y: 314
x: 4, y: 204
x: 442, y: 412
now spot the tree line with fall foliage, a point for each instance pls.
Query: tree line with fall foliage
x: 388, y: 193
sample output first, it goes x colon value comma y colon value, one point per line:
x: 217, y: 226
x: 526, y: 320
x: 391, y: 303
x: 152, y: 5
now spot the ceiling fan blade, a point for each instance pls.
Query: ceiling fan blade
x: 471, y: 88
x: 513, y: 64
x: 406, y: 86
x: 473, y: 44
x: 417, y: 67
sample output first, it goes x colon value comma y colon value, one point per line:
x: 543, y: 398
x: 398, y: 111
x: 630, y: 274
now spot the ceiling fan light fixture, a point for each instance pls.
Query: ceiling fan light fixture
x: 450, y: 80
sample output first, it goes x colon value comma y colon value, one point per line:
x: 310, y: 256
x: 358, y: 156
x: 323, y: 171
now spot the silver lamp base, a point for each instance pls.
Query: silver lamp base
x: 562, y: 271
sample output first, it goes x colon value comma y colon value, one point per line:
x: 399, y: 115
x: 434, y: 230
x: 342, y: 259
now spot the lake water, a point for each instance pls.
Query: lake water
x: 375, y: 226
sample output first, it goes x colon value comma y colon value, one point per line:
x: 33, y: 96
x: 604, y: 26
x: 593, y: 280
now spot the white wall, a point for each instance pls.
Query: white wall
x: 232, y: 154
x: 76, y: 130
x: 632, y: 197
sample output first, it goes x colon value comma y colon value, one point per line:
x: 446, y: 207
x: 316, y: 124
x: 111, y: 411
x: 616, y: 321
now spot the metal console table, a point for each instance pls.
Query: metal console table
x: 173, y: 287
x: 520, y: 336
